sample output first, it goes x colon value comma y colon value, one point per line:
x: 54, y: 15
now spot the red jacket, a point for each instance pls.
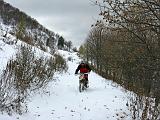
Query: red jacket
x: 84, y: 68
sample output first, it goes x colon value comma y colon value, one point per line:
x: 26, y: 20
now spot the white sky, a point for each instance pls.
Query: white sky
x: 70, y: 18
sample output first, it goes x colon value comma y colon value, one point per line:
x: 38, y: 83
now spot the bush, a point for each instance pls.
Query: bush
x: 60, y: 63
x: 24, y: 75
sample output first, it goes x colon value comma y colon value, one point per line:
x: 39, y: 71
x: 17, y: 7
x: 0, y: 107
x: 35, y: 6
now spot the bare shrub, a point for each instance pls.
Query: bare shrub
x: 25, y: 74
x: 60, y: 63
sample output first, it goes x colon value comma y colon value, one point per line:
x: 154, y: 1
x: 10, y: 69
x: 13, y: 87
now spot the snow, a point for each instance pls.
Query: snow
x: 5, y: 53
x: 62, y: 100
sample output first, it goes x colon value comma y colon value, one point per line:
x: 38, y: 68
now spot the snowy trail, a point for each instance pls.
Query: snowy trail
x: 101, y: 101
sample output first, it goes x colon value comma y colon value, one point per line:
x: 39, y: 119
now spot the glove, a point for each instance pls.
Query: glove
x: 76, y: 73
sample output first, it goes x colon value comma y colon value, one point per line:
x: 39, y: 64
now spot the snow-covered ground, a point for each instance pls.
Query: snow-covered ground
x: 62, y: 100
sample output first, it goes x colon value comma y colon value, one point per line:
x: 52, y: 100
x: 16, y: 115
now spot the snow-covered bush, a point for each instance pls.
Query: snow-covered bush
x: 60, y: 63
x: 25, y: 74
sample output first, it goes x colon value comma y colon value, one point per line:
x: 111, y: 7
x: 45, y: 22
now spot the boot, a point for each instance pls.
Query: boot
x: 86, y: 84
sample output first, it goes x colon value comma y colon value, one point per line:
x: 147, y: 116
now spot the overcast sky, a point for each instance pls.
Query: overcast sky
x: 70, y: 18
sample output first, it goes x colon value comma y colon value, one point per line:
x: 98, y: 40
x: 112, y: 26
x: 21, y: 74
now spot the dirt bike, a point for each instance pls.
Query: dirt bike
x: 82, y: 82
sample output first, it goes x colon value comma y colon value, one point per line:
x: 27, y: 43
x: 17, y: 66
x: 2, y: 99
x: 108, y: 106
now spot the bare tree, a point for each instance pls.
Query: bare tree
x: 127, y: 50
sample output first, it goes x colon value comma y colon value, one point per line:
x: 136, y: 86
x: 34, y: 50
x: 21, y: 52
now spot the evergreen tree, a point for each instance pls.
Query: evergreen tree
x: 61, y: 43
x: 21, y: 29
x: 69, y: 45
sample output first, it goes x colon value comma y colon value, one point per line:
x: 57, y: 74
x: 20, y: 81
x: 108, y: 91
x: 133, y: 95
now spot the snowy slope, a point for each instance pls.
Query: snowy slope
x: 62, y: 100
x: 5, y: 53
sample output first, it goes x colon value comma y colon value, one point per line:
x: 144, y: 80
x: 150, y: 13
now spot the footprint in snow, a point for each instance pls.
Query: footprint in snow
x: 72, y: 111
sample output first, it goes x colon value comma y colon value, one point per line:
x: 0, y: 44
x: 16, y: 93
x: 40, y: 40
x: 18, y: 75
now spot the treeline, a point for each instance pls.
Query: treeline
x: 125, y: 46
x: 11, y: 16
x: 63, y: 44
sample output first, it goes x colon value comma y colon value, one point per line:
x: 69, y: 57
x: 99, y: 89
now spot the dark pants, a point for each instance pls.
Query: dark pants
x: 86, y: 77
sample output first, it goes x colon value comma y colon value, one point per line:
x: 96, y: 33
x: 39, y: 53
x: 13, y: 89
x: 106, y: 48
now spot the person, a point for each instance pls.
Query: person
x: 83, y: 68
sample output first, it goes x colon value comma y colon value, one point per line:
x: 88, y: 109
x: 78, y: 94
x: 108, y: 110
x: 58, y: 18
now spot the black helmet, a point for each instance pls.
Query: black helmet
x: 82, y: 61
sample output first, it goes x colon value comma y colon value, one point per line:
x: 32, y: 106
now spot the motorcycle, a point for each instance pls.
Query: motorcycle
x: 82, y: 82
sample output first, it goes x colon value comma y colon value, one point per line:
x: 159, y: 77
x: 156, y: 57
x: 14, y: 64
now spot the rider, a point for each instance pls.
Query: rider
x: 84, y: 68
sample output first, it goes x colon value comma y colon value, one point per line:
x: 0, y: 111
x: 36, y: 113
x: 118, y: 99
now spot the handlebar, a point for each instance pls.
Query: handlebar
x: 82, y: 73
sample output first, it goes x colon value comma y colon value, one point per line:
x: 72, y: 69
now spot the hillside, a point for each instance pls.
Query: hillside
x: 37, y: 79
x: 61, y: 100
x: 26, y: 28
